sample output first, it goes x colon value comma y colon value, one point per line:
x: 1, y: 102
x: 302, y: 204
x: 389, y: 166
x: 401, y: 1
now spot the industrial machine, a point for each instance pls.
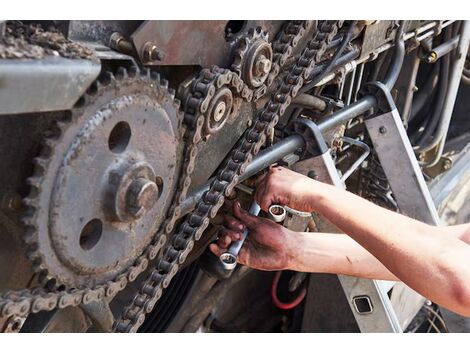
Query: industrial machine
x: 123, y: 144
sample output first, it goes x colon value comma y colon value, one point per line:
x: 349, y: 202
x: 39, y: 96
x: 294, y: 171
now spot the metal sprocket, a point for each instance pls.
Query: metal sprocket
x: 118, y: 150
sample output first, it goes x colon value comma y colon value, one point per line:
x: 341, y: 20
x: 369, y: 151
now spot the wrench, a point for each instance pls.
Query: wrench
x: 229, y: 258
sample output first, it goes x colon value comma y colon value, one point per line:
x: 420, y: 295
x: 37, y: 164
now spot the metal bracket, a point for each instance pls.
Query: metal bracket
x: 314, y: 143
x: 381, y: 92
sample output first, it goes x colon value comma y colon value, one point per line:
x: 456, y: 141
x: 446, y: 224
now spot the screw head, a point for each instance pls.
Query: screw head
x: 219, y: 111
x: 141, y: 196
x: 382, y: 130
x: 263, y: 65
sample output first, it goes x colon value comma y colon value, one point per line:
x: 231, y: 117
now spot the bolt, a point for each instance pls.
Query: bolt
x: 415, y: 89
x: 382, y: 130
x: 263, y: 65
x: 119, y: 43
x: 141, y: 196
x: 219, y: 111
x: 150, y: 52
x: 312, y: 174
x: 447, y: 164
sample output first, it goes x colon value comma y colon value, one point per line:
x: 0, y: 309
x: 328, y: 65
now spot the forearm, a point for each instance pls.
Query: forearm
x: 437, y: 266
x: 335, y: 254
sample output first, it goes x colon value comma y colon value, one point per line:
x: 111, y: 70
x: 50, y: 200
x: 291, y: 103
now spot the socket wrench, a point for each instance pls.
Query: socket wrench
x: 229, y: 258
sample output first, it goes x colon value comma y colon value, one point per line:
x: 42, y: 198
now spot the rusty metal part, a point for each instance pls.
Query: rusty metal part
x: 194, y: 225
x: 22, y: 302
x: 32, y: 41
x: 253, y: 58
x: 118, y: 42
x: 72, y: 238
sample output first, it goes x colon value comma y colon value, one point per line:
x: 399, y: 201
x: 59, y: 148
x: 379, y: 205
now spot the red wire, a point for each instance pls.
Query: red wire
x: 283, y: 305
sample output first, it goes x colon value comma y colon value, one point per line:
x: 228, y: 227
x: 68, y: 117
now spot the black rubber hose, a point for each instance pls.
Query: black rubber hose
x: 345, y: 41
x: 425, y: 93
x: 398, y: 57
x: 433, y: 120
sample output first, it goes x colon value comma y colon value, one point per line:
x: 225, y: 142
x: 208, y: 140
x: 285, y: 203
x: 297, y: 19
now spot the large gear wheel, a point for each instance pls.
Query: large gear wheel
x: 104, y: 180
x: 253, y: 58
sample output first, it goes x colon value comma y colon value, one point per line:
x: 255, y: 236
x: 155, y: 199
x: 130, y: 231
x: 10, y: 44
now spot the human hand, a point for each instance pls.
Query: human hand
x: 286, y: 187
x: 269, y: 246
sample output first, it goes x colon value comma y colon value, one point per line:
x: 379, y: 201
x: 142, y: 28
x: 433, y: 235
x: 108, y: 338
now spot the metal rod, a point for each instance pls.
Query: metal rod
x: 265, y: 158
x: 442, y: 49
x: 359, y: 161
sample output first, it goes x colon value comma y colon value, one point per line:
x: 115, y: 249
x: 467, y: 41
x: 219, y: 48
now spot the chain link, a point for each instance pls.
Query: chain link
x: 192, y: 228
x: 195, y: 106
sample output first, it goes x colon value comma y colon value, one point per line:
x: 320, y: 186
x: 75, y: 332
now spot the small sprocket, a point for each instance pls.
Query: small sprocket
x: 104, y: 180
x: 253, y: 57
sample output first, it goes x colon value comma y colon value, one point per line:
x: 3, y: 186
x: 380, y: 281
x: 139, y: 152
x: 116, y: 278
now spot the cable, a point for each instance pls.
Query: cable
x: 432, y: 122
x: 398, y: 57
x: 346, y: 39
x: 434, y: 326
x: 437, y: 316
x: 283, y: 305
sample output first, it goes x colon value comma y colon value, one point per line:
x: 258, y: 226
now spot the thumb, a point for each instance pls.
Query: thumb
x: 249, y: 220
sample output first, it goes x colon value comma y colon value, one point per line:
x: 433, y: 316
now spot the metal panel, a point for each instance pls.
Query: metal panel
x: 409, y: 189
x: 381, y: 317
x: 401, y: 167
x: 49, y: 84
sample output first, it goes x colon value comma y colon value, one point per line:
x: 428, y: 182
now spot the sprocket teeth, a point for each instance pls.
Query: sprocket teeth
x: 106, y: 78
x: 155, y: 76
x: 121, y: 73
x: 164, y: 83
x: 145, y: 72
x: 133, y: 70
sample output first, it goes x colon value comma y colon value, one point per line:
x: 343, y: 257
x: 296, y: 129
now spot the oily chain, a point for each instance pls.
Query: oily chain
x: 195, y: 223
x: 22, y: 302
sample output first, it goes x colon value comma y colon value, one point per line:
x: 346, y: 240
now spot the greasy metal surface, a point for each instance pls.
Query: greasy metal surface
x: 200, y: 43
x: 99, y: 31
x: 80, y: 173
x: 182, y: 42
x: 191, y: 229
x: 218, y: 145
x: 22, y: 88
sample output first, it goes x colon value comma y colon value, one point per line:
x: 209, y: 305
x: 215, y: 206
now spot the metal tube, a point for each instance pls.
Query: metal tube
x: 265, y: 158
x: 292, y: 143
x: 442, y: 49
x: 359, y: 161
x: 454, y: 82
x: 355, y: 109
x: 310, y: 102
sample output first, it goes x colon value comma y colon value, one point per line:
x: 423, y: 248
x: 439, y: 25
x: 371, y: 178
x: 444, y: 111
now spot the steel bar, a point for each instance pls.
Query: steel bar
x: 265, y: 158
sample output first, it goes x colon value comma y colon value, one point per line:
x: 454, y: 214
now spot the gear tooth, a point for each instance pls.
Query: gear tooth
x: 164, y: 83
x: 145, y: 72
x: 133, y: 71
x: 155, y: 76
x: 106, y: 78
x: 121, y: 73
x: 40, y: 166
x: 172, y: 93
x: 33, y: 181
